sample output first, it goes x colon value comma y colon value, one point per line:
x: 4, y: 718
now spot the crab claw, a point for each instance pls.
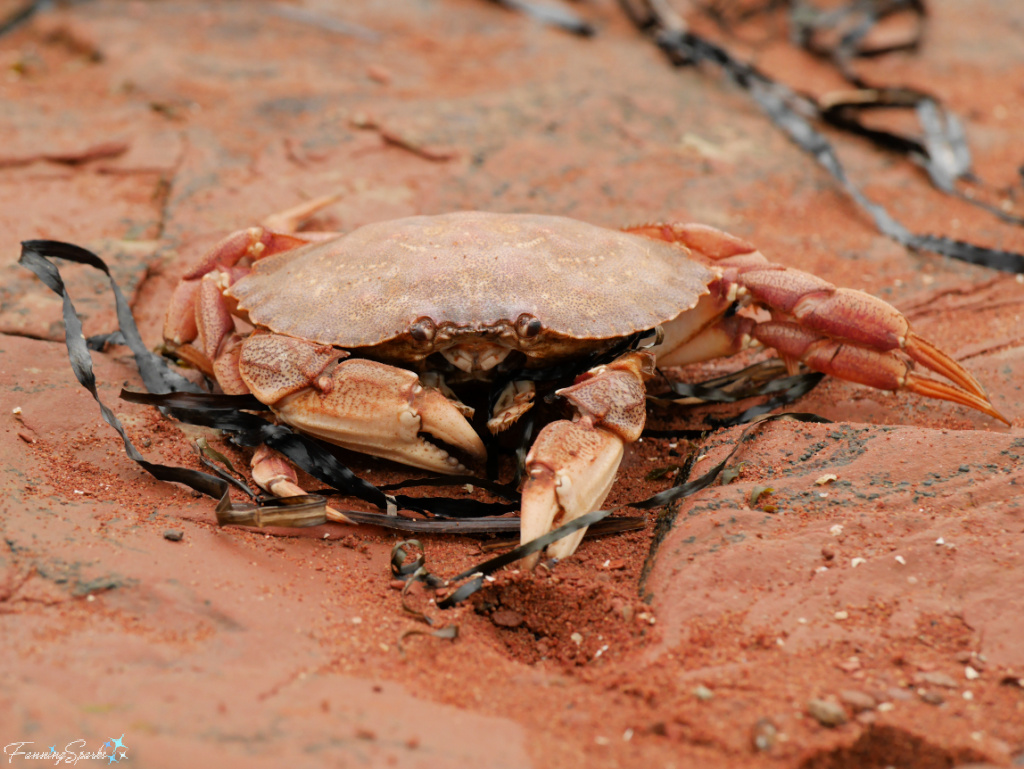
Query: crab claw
x: 571, y: 466
x: 385, y: 411
x: 570, y: 469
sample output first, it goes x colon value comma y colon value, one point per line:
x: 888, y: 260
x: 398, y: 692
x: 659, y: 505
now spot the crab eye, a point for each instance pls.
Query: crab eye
x: 527, y: 325
x: 423, y: 330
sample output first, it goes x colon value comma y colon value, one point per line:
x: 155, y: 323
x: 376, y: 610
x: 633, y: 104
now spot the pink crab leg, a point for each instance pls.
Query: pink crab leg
x: 275, y: 236
x: 838, y: 331
x: 187, y: 301
x: 882, y: 370
x: 572, y: 465
x: 275, y: 474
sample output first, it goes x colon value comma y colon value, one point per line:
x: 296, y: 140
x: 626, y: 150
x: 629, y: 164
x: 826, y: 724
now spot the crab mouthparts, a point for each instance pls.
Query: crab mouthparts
x: 475, y: 356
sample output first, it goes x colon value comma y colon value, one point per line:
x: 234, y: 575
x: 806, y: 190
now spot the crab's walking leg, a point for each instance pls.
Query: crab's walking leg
x: 837, y: 331
x: 572, y: 464
x: 357, y: 404
x: 274, y: 473
x: 198, y: 323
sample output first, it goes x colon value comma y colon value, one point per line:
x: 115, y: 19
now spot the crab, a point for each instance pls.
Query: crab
x: 356, y: 338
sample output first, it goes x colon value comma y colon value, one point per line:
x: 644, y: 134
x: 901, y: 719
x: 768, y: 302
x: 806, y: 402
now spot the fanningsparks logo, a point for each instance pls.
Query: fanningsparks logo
x: 113, y: 751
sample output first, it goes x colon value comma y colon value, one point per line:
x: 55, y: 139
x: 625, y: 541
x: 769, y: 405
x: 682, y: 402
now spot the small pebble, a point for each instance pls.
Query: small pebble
x: 850, y: 664
x: 971, y: 674
x: 379, y: 74
x: 897, y: 693
x: 174, y: 535
x: 827, y: 713
x: 507, y: 618
x: 764, y: 734
x: 932, y: 698
x: 703, y: 693
x: 857, y: 700
x: 936, y: 678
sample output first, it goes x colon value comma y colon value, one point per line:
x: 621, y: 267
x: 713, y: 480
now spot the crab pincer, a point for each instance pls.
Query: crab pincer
x: 572, y: 464
x: 358, y: 404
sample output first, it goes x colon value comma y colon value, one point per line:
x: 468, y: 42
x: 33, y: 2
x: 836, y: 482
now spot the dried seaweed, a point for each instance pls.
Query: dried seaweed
x: 841, y: 35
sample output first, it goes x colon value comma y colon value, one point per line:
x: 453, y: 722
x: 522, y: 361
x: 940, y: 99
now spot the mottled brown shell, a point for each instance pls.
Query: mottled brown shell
x: 472, y: 270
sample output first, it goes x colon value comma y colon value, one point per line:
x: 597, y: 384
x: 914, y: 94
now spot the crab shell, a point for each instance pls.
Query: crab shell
x: 473, y: 286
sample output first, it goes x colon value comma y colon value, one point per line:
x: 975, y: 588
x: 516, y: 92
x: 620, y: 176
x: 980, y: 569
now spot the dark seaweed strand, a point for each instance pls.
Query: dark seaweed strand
x: 786, y: 109
x: 476, y: 574
x: 182, y: 399
x: 34, y: 257
x: 943, y: 151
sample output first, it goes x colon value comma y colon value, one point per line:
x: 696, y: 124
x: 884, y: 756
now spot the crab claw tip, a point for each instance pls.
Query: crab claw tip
x: 441, y: 419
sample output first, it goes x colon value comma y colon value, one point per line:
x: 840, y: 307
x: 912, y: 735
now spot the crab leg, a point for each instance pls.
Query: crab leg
x: 837, y: 331
x: 572, y: 464
x: 274, y: 473
x: 187, y: 305
x: 357, y: 404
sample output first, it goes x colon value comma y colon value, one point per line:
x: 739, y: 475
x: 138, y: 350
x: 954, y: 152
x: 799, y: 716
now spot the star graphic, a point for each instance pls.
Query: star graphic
x: 119, y: 743
x: 112, y: 760
x: 108, y: 744
x: 53, y: 748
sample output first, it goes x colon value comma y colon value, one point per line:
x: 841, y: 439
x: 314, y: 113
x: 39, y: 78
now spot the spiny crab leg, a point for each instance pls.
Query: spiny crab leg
x: 571, y: 466
x: 837, y: 331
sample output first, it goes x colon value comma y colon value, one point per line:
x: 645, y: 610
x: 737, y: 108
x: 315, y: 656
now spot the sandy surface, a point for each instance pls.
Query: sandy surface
x: 893, y: 594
